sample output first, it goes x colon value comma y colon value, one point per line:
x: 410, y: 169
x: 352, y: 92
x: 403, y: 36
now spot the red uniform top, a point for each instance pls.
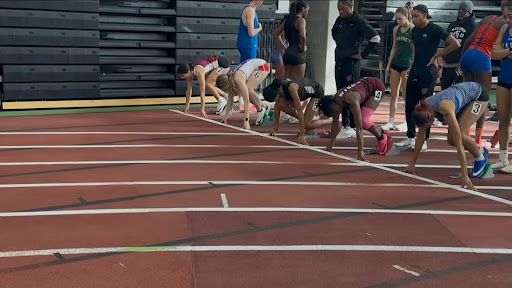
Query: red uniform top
x: 209, y: 63
x: 485, y: 37
x: 366, y: 87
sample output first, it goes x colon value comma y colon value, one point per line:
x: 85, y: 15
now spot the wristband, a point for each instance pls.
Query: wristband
x: 246, y: 119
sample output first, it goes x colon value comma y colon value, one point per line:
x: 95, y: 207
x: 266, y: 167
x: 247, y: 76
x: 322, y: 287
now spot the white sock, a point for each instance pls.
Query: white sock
x: 481, y: 157
x: 504, y: 156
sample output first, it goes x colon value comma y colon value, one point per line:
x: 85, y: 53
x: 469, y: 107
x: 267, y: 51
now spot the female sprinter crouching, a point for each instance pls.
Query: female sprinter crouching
x: 363, y: 98
x: 288, y: 95
x: 459, y: 106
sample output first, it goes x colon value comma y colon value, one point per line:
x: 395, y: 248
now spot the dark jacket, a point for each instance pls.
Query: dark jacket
x: 349, y: 34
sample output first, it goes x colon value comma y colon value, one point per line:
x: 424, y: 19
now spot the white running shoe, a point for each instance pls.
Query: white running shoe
x: 401, y: 127
x: 424, y: 147
x: 346, y: 132
x: 221, y: 106
x: 407, y: 143
x: 507, y: 169
x: 285, y: 118
x: 388, y: 126
x: 261, y: 115
x: 499, y: 165
x: 437, y: 122
x: 293, y: 120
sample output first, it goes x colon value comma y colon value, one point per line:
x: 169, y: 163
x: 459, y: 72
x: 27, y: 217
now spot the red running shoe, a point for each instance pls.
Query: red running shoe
x: 384, y: 144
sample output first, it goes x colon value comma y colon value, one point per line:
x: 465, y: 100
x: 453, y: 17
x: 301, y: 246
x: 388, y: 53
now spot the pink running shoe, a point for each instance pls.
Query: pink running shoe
x: 384, y: 144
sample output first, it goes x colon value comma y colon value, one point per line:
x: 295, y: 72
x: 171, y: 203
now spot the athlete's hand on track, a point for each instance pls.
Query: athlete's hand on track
x: 302, y: 140
x: 185, y: 110
x: 329, y: 148
x: 224, y: 120
x: 362, y: 157
x: 409, y: 169
x: 466, y: 183
x: 203, y: 114
x: 247, y: 125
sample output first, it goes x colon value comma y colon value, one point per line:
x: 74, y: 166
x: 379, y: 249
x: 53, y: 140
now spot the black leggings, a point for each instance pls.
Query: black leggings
x: 347, y: 73
x: 418, y: 80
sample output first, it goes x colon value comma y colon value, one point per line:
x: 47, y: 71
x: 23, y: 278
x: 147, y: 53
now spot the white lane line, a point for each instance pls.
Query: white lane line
x: 86, y: 146
x: 368, y: 248
x: 441, y: 184
x: 36, y: 163
x: 313, y: 183
x: 214, y: 182
x: 118, y: 133
x: 249, y: 209
x: 406, y: 270
x: 238, y: 162
x: 224, y: 200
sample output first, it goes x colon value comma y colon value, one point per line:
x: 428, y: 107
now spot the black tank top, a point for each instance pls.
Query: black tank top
x: 291, y: 33
x: 307, y: 88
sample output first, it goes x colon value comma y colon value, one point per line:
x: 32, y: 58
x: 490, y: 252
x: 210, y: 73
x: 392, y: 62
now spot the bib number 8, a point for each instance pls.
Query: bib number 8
x: 476, y: 108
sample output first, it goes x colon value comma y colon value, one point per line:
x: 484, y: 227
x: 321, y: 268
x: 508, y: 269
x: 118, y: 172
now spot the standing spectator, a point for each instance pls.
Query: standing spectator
x: 348, y: 32
x: 277, y: 55
x: 502, y: 50
x: 294, y: 57
x: 247, y: 42
x: 400, y: 61
x: 475, y: 63
x: 460, y: 29
x: 422, y: 78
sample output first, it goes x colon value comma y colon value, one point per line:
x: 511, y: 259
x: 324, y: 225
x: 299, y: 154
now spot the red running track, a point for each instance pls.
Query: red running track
x: 164, y: 159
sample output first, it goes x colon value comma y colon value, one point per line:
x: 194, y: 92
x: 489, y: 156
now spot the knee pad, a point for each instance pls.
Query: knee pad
x: 366, y: 115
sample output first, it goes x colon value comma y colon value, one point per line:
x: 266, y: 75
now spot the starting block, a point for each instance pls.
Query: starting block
x: 313, y: 134
x: 488, y: 173
x: 393, y: 151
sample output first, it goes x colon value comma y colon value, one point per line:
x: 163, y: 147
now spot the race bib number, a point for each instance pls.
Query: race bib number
x: 476, y: 108
x: 315, y: 106
x: 378, y: 95
x: 257, y: 75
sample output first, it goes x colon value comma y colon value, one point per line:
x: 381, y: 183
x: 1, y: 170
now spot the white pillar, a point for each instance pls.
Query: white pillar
x: 320, y: 54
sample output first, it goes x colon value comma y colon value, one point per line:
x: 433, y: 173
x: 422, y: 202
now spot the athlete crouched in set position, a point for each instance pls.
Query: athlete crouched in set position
x: 362, y: 98
x: 459, y: 106
x: 206, y: 71
x: 288, y: 95
x: 242, y: 81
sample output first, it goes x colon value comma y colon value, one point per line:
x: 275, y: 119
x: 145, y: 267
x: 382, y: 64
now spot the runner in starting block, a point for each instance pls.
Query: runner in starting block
x: 459, y: 106
x: 363, y: 98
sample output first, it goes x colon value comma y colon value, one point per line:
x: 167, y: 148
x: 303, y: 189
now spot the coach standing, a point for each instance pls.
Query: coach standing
x: 349, y: 31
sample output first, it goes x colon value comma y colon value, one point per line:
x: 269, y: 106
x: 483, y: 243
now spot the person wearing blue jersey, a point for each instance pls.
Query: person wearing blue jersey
x: 458, y: 106
x: 502, y: 50
x: 247, y: 41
